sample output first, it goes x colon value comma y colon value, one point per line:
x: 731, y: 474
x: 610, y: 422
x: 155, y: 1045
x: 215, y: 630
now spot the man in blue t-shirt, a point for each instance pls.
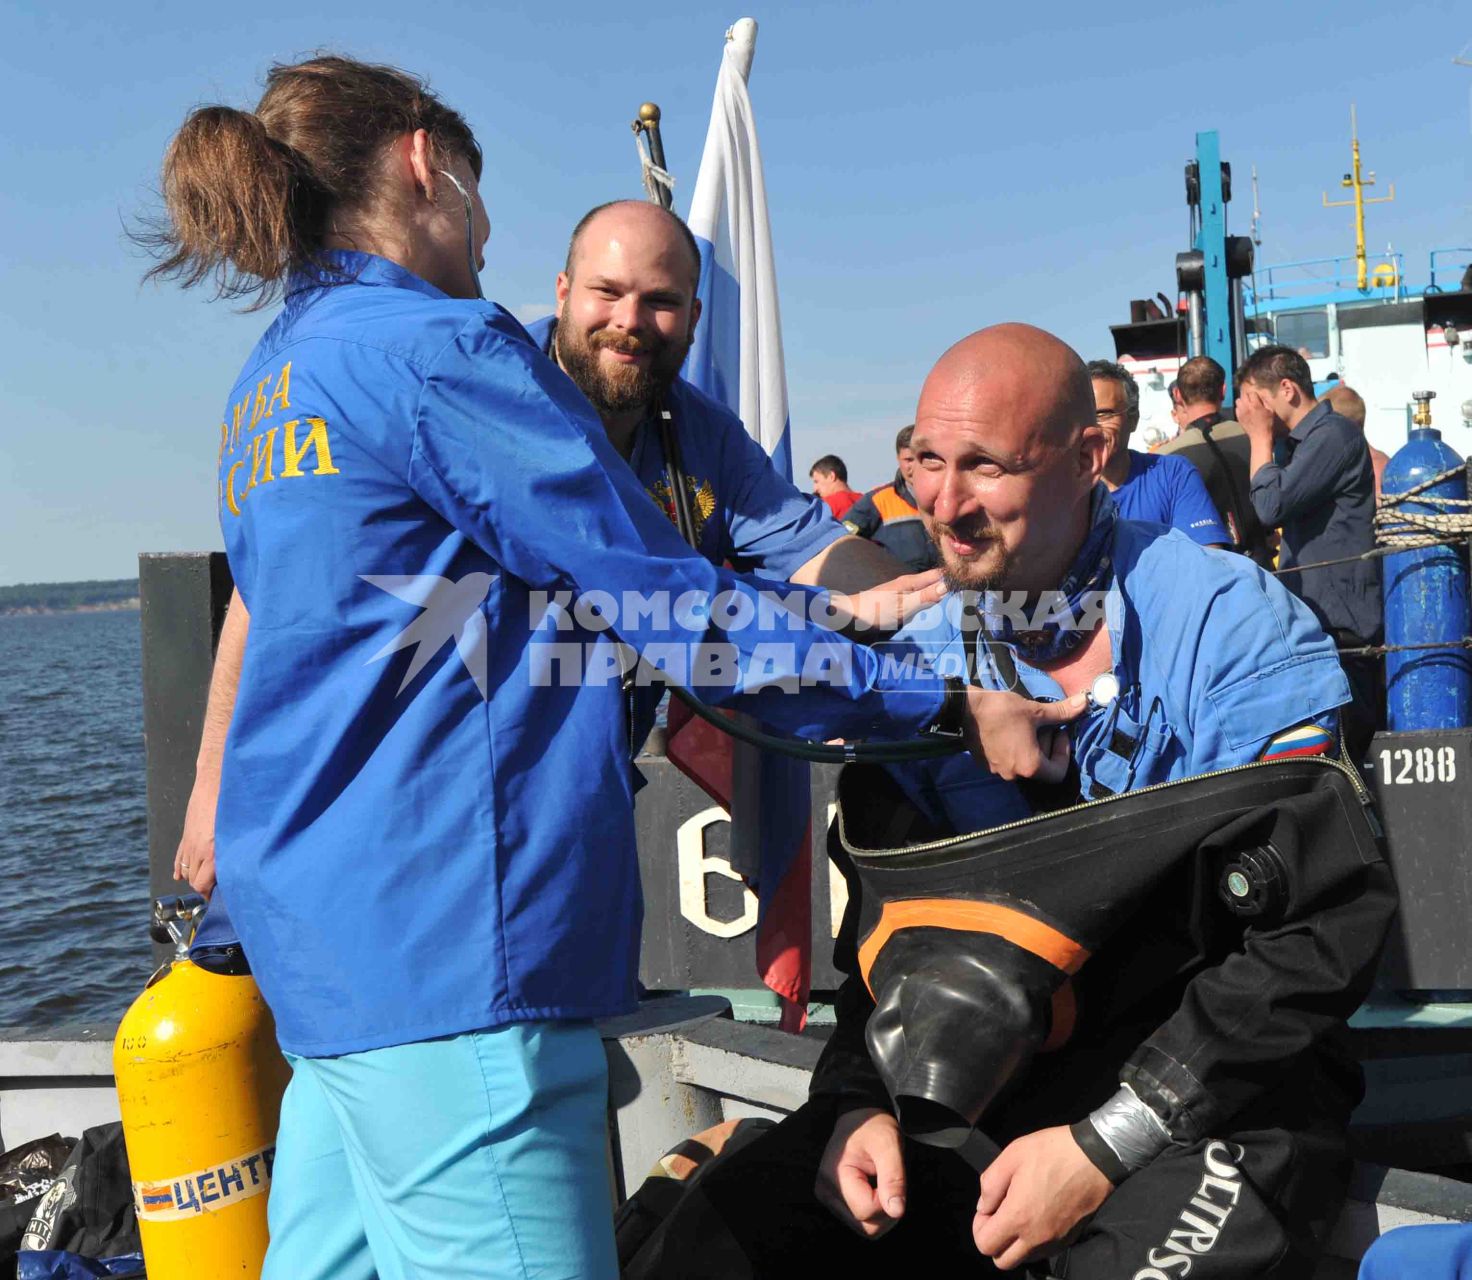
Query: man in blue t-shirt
x: 1153, y: 488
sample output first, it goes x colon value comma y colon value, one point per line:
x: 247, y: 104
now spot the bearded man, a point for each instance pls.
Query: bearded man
x: 1123, y: 1154
x: 626, y: 316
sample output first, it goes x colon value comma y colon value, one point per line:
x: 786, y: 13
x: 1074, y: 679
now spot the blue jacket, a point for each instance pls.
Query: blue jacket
x: 425, y: 822
x: 888, y: 516
x: 1213, y: 656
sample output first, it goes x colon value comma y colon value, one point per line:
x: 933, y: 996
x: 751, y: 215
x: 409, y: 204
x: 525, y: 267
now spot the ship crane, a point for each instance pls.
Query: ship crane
x: 1210, y: 320
x: 1211, y: 272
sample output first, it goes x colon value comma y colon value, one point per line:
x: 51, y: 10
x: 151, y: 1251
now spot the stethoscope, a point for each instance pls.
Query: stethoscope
x: 1101, y: 697
x: 813, y: 752
x: 1103, y: 691
x: 469, y: 230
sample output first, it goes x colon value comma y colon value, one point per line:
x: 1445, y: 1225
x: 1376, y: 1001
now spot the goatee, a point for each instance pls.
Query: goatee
x: 985, y: 570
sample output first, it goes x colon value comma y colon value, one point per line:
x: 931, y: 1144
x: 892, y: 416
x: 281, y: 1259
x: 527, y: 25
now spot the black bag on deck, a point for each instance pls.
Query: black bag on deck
x: 25, y: 1174
x: 89, y: 1209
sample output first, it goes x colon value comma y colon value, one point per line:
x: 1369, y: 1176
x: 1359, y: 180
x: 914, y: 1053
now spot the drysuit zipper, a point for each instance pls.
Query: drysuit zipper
x: 935, y: 845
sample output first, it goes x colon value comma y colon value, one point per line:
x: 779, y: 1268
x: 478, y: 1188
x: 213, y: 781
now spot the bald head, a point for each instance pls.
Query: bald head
x: 1347, y: 402
x: 628, y: 221
x: 1008, y: 451
x: 1018, y: 372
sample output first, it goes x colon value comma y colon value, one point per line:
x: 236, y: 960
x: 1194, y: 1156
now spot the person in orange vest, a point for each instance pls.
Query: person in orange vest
x: 888, y: 515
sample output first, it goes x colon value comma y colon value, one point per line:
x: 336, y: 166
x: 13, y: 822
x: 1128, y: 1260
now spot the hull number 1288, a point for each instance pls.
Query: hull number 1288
x: 1400, y: 765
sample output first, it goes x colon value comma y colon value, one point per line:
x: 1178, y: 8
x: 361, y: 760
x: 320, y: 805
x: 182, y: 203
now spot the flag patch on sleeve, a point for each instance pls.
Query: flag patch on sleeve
x: 1305, y: 740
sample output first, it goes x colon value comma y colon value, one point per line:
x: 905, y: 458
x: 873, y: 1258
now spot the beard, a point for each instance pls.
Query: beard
x: 985, y: 569
x: 618, y: 388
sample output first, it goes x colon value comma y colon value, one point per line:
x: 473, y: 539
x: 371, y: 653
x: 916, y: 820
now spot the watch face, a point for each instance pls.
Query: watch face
x: 1104, y: 690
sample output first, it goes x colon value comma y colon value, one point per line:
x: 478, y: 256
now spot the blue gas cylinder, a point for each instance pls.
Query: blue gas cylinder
x: 1426, y: 601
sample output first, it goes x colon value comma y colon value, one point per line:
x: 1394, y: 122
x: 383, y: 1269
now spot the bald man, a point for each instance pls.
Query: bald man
x: 1349, y: 404
x: 1117, y: 1160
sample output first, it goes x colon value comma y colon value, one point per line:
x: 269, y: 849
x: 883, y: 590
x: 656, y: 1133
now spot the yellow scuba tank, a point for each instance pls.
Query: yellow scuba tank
x: 199, y: 1080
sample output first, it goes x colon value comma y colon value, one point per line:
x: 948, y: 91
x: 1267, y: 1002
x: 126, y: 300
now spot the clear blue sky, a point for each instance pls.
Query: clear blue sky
x: 932, y: 167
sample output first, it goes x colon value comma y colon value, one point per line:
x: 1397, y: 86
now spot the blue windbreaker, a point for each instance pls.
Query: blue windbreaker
x: 425, y: 822
x: 1213, y: 658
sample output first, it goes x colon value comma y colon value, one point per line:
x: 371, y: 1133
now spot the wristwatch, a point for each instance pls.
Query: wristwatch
x: 950, y: 722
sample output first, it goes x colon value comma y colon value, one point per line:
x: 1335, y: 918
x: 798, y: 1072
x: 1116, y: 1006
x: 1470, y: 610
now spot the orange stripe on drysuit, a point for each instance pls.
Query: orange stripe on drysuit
x: 1017, y: 927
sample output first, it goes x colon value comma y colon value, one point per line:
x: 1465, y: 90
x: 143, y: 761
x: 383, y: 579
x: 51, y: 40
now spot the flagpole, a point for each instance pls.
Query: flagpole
x: 656, y: 177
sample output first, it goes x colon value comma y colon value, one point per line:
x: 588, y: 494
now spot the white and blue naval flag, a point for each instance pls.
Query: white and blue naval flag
x: 736, y: 358
x: 737, y: 353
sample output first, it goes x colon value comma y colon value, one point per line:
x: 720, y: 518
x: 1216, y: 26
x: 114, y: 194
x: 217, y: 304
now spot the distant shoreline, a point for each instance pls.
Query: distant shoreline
x: 39, y: 598
x: 46, y: 611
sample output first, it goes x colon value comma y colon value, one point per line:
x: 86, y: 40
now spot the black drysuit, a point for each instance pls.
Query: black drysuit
x: 1230, y: 1028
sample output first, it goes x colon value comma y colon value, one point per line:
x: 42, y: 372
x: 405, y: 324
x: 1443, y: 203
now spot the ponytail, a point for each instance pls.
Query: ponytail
x: 239, y: 211
x: 248, y: 196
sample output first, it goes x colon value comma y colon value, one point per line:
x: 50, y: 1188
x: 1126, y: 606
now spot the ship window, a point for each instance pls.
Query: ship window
x: 1305, y: 329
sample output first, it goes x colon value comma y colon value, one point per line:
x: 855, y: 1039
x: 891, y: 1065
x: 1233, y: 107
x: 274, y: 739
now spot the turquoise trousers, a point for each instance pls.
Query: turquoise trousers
x: 1437, y: 1252
x: 480, y: 1156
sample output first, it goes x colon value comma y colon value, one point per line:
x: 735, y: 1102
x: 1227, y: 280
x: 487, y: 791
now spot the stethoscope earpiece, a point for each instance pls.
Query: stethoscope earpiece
x: 469, y: 229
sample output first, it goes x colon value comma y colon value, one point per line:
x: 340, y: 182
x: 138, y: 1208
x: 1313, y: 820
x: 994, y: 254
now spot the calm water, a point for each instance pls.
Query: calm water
x: 73, y: 837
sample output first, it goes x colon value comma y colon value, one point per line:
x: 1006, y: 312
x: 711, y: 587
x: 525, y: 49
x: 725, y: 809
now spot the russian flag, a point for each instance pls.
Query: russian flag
x: 737, y: 359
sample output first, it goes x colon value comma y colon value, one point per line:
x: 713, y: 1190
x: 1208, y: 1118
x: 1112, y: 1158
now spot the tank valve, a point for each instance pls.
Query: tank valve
x: 1421, y: 416
x: 174, y: 920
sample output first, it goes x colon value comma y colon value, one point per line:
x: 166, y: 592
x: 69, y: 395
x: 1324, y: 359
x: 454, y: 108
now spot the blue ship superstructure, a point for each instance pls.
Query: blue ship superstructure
x: 1362, y: 319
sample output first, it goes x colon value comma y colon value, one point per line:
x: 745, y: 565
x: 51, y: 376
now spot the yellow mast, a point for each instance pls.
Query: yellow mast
x: 1355, y: 182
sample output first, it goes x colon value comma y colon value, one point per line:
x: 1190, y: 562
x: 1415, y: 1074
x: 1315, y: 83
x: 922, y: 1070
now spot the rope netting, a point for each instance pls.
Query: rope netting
x: 1401, y: 530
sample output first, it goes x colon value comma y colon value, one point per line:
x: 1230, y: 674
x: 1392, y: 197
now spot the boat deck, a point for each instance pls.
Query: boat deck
x: 676, y: 1067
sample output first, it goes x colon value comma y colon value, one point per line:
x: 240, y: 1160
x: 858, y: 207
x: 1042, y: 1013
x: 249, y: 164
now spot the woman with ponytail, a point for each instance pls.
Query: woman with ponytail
x: 424, y: 827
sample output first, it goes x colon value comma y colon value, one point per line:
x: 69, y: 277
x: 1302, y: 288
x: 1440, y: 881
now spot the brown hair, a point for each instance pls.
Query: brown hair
x: 249, y: 195
x: 1202, y: 381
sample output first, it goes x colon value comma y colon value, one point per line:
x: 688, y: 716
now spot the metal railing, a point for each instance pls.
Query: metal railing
x: 1449, y: 271
x: 1317, y: 281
